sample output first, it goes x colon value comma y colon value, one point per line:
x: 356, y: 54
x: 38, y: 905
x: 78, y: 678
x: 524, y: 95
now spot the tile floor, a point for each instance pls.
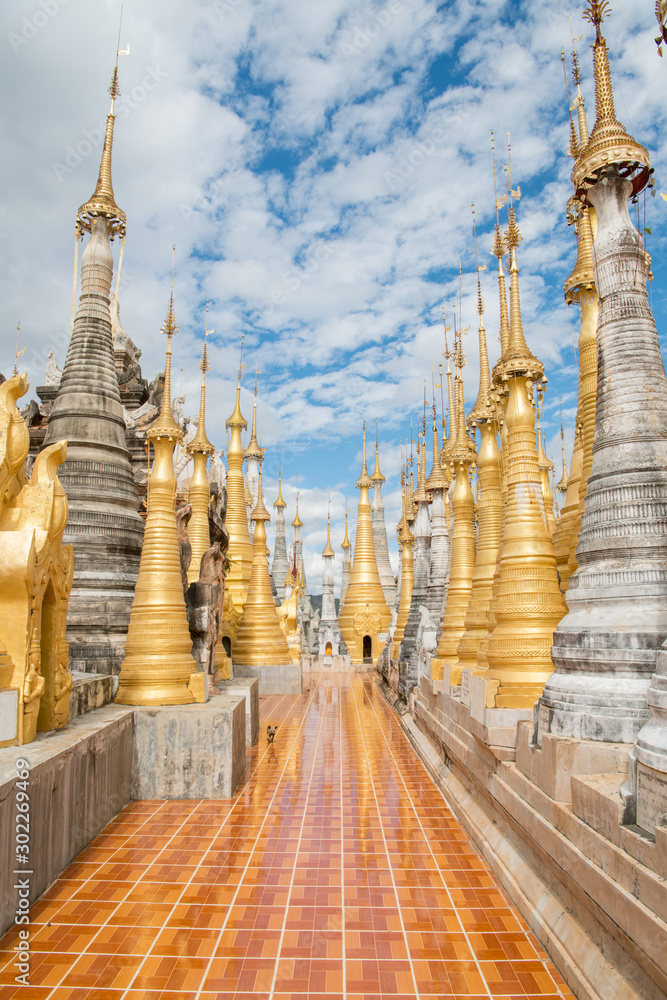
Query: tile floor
x: 336, y: 871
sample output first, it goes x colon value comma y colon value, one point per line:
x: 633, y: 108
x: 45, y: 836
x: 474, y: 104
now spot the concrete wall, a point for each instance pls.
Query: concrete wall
x: 80, y: 778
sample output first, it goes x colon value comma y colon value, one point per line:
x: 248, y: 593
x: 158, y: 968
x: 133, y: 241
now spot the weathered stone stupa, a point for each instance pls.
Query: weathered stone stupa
x: 280, y: 564
x: 421, y: 531
x: 104, y: 525
x: 329, y: 637
x: 605, y: 648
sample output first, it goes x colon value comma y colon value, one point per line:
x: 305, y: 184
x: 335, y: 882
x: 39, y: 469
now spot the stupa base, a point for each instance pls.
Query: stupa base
x: 274, y: 678
x: 190, y: 751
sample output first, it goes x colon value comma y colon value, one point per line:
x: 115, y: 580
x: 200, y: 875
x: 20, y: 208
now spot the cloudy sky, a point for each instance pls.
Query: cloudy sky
x: 315, y: 165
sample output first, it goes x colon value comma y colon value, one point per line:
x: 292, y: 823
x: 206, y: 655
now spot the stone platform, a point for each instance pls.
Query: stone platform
x: 249, y: 688
x: 274, y: 678
x: 80, y: 778
x: 83, y: 775
x: 549, y: 821
x: 190, y: 751
x: 91, y: 691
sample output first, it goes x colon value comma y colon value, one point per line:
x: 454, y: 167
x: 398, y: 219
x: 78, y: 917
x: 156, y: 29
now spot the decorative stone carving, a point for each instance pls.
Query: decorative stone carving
x: 53, y: 373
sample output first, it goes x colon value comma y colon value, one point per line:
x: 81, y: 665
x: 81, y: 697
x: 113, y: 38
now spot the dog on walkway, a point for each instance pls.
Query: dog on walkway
x: 270, y: 733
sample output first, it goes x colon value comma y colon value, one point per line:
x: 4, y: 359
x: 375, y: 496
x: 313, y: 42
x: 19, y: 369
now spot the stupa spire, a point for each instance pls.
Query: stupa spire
x: 158, y: 668
x: 240, y: 550
x: 499, y: 250
x: 200, y: 449
x: 102, y: 202
x: 380, y: 530
x: 365, y: 613
x: 609, y: 144
x: 260, y: 641
x: 482, y: 402
x: 280, y: 564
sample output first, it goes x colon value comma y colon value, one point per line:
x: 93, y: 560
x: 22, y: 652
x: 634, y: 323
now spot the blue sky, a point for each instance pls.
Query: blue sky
x: 315, y: 166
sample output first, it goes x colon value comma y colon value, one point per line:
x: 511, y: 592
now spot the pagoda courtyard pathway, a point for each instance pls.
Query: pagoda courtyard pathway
x: 336, y: 870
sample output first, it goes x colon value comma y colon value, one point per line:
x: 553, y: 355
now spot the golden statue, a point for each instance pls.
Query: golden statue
x: 36, y: 572
x: 159, y: 668
x: 288, y: 616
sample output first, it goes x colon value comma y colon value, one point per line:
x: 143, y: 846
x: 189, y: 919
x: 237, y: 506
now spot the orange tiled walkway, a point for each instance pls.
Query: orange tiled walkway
x: 337, y: 870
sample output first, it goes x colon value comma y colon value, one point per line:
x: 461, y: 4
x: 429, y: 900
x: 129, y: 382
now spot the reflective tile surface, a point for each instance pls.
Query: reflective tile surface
x: 336, y: 871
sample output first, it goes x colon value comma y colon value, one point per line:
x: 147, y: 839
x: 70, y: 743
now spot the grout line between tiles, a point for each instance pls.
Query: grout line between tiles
x: 298, y: 844
x: 164, y: 805
x: 259, y: 833
x: 384, y: 840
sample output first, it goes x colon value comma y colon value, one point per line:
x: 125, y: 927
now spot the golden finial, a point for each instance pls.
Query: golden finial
x: 512, y: 234
x: 280, y: 503
x: 165, y: 425
x: 482, y: 408
x: 346, y: 541
x: 377, y: 476
x: 561, y: 486
x: 200, y: 442
x: 609, y: 145
x: 102, y: 201
x: 573, y: 148
x: 327, y: 550
x: 237, y: 419
x: 253, y: 450
x: 297, y: 522
x: 19, y: 354
x: 364, y: 479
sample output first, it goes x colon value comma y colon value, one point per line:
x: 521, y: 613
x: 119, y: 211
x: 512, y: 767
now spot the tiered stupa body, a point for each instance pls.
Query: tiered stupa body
x: 438, y: 575
x: 408, y: 670
x: 253, y: 458
x: 347, y: 565
x: 580, y: 289
x: 405, y: 540
x: 159, y: 668
x: 483, y: 416
x: 104, y: 525
x: 260, y: 641
x: 329, y: 637
x: 280, y: 564
x: 605, y: 648
x: 461, y: 453
x: 380, y: 534
x: 240, y: 547
x: 364, y: 616
x: 297, y: 525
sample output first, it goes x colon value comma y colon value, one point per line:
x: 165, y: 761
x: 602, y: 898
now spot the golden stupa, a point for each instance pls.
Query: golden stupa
x: 199, y: 494
x: 159, y: 668
x: 405, y: 539
x: 528, y: 604
x: 462, y: 455
x: 260, y: 640
x: 500, y: 400
x: 240, y: 550
x: 579, y: 289
x: 365, y: 614
x: 546, y: 466
x: 483, y: 415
